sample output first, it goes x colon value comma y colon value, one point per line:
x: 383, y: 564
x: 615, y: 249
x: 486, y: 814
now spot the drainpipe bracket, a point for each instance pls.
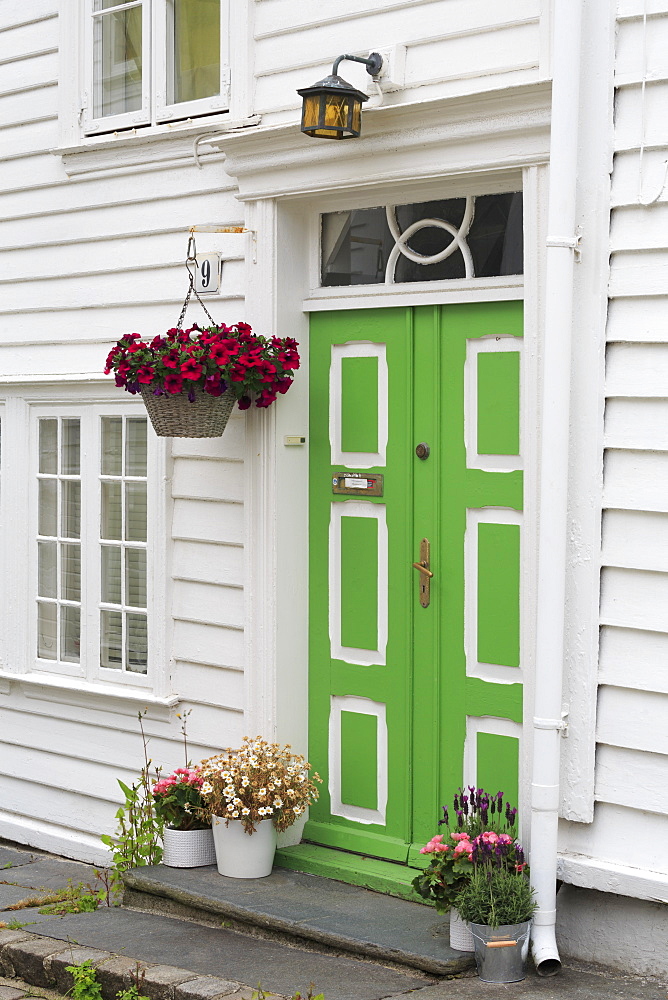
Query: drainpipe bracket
x: 560, y: 725
x: 568, y: 243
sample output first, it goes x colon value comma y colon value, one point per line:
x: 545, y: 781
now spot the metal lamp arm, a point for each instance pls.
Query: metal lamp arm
x: 373, y: 63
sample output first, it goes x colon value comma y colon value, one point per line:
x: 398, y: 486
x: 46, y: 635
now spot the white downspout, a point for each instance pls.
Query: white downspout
x: 554, y: 461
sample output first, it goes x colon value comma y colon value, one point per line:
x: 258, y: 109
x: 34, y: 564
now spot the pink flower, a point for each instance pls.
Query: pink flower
x: 459, y: 836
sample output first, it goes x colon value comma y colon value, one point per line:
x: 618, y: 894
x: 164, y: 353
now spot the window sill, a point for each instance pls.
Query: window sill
x: 146, y: 145
x: 89, y: 694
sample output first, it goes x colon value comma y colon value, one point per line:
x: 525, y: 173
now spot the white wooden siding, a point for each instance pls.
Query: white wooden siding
x: 632, y: 755
x: 452, y: 46
x: 84, y: 259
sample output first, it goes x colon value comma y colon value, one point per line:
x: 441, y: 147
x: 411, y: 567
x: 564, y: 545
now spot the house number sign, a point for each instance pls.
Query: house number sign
x: 207, y: 274
x: 355, y: 484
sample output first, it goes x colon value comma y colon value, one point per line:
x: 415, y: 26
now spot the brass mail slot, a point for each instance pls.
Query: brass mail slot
x: 356, y: 484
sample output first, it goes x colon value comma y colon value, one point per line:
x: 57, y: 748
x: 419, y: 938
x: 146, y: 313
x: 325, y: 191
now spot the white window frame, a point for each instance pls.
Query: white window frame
x: 89, y: 668
x: 155, y: 109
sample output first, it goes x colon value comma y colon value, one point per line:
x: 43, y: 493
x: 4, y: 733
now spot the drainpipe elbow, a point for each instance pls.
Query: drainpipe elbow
x: 544, y: 944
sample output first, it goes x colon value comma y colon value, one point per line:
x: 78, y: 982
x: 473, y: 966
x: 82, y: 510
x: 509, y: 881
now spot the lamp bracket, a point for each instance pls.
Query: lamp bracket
x: 373, y: 64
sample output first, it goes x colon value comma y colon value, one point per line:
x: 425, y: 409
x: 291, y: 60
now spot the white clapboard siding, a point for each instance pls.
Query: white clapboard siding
x: 231, y: 446
x: 613, y: 829
x: 626, y: 187
x: 640, y: 424
x: 214, y: 686
x: 202, y: 602
x: 40, y: 70
x: 644, y: 272
x: 629, y: 117
x: 634, y: 599
x: 15, y: 12
x: 209, y: 563
x: 632, y: 778
x: 632, y: 719
x: 637, y: 369
x: 635, y: 540
x: 219, y: 522
x: 637, y: 50
x: 38, y: 169
x: 634, y: 9
x: 208, y: 644
x: 638, y: 322
x: 199, y: 478
x: 634, y: 658
x: 74, y: 810
x: 447, y: 43
x: 637, y: 228
x: 636, y: 480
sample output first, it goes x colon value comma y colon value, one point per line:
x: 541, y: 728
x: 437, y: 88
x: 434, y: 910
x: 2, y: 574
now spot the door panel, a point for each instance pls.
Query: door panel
x: 407, y: 700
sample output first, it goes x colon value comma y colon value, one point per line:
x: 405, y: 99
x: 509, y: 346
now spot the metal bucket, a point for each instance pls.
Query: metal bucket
x: 501, y: 952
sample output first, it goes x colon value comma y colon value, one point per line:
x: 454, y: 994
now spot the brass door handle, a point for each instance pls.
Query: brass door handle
x: 425, y: 573
x: 423, y: 569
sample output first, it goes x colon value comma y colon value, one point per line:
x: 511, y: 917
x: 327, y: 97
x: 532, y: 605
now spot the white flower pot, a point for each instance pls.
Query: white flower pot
x: 461, y: 938
x: 188, y: 848
x: 240, y: 854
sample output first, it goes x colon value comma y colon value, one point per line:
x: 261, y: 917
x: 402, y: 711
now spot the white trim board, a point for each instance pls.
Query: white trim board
x: 606, y: 876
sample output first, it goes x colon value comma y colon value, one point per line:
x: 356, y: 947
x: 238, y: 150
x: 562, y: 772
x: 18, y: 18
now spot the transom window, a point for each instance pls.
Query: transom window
x: 92, y: 538
x: 472, y: 237
x: 154, y: 60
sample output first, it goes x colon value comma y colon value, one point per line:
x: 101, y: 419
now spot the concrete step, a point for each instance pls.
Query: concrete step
x: 303, y: 909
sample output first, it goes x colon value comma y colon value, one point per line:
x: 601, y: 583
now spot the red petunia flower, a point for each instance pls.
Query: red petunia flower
x: 173, y: 383
x: 191, y: 369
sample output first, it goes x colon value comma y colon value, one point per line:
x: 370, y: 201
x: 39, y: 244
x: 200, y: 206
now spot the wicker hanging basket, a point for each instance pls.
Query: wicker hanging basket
x: 176, y: 416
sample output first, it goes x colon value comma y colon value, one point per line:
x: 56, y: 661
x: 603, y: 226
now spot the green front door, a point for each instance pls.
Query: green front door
x: 414, y: 680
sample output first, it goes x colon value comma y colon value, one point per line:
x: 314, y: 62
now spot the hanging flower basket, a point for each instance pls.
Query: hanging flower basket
x: 179, y: 415
x: 190, y: 379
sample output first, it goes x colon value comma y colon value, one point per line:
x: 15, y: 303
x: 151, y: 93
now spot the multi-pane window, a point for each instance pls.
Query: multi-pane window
x: 154, y: 60
x: 92, y: 540
x: 123, y: 533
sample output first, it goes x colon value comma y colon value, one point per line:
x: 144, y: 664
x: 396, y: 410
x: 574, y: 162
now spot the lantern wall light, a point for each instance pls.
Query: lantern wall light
x: 332, y: 108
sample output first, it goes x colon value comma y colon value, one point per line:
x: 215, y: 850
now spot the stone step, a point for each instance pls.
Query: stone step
x: 303, y: 909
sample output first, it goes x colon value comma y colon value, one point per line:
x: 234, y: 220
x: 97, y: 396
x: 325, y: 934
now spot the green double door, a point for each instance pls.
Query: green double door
x: 415, y: 679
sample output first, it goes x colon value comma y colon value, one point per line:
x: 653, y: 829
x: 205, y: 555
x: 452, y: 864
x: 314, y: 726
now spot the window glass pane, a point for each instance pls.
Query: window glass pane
x: 71, y: 448
x: 135, y: 447
x: 135, y: 512
x: 48, y: 507
x: 112, y: 446
x: 359, y: 248
x: 135, y: 577
x: 71, y: 509
x: 111, y: 639
x: 195, y: 31
x: 46, y: 631
x: 111, y: 574
x: 137, y: 643
x: 70, y: 570
x: 48, y: 446
x: 46, y: 572
x: 111, y: 515
x: 117, y: 62
x: 69, y: 634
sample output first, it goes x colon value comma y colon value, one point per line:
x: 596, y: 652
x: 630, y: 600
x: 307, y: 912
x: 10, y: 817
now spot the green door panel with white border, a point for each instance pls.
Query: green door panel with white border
x: 403, y: 698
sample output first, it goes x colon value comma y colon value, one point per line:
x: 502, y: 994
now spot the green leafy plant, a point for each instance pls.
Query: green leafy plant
x: 260, y: 994
x: 133, y: 992
x: 137, y: 841
x: 79, y: 898
x: 481, y: 823
x: 496, y: 896
x: 85, y: 985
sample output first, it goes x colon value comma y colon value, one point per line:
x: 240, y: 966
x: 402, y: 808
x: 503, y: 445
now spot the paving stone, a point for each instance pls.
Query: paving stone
x: 12, y: 894
x: 9, y: 993
x: 11, y: 857
x: 205, y: 988
x: 219, y: 952
x: 11, y: 937
x: 116, y: 973
x: 26, y: 958
x: 52, y: 873
x: 56, y: 967
x: 159, y: 981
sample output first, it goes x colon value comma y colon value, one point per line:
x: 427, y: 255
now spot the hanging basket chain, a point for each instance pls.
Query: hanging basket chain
x: 191, y: 255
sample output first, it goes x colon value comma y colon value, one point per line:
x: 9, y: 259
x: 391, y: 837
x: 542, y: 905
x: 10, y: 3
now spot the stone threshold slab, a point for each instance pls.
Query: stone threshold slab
x: 342, y: 917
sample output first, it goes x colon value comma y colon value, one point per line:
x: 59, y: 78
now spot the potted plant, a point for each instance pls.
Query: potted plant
x: 251, y: 794
x: 190, y: 379
x: 451, y: 864
x: 187, y: 836
x: 497, y: 902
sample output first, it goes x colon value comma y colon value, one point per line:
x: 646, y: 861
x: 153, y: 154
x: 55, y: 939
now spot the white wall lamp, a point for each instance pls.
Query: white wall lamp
x: 332, y: 108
